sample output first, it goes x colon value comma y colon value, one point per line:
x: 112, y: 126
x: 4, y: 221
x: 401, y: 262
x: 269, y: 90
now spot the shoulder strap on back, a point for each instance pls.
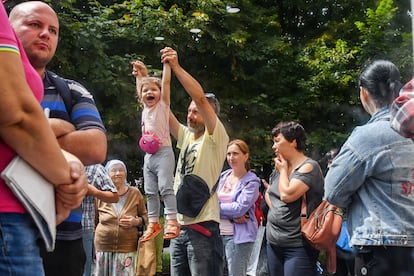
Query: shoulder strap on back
x: 63, y: 89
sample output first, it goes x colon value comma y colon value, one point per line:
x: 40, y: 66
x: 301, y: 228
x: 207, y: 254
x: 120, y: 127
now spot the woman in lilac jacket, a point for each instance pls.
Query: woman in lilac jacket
x: 237, y: 192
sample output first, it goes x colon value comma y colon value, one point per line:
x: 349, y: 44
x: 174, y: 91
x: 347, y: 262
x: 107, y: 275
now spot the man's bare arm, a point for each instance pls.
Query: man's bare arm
x: 88, y: 145
x: 192, y: 86
x: 23, y: 125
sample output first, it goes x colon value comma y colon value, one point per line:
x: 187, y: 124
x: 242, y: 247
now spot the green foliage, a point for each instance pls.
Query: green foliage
x: 272, y: 61
x: 377, y: 30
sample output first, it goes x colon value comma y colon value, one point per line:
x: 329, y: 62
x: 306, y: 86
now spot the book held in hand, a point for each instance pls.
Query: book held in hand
x: 36, y: 194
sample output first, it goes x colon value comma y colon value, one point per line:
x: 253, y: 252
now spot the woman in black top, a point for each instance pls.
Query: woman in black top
x: 294, y: 175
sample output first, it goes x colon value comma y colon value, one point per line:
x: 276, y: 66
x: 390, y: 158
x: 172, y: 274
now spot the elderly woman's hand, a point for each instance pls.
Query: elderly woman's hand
x: 130, y: 221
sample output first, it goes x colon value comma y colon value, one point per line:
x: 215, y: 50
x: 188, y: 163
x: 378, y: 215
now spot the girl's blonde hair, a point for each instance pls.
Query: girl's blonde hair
x: 146, y: 80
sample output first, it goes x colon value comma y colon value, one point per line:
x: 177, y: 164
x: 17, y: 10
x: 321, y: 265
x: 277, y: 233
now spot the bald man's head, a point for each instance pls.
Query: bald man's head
x: 37, y: 26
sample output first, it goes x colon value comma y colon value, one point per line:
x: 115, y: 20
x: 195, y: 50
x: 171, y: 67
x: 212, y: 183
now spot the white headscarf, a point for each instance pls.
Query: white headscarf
x: 113, y: 162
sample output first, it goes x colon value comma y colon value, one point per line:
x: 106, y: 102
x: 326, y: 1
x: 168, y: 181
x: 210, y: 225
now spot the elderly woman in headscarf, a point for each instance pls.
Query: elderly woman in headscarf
x: 116, y: 233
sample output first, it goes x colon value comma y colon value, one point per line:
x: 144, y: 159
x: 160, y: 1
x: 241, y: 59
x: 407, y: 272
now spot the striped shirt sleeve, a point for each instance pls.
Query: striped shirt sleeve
x: 9, y: 48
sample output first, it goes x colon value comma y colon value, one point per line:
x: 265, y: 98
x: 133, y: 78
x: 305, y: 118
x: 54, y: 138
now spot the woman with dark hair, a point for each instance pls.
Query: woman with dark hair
x: 294, y: 176
x: 237, y: 193
x: 372, y: 177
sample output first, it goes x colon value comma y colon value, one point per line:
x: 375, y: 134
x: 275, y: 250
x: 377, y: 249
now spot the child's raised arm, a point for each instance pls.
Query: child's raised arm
x: 166, y: 80
x: 139, y: 70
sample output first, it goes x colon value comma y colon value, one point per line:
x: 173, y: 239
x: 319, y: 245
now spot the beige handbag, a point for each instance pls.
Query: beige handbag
x: 146, y: 258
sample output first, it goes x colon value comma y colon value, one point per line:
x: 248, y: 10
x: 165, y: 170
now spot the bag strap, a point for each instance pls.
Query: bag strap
x: 304, y: 209
x: 63, y: 90
x: 184, y: 163
x: 213, y: 190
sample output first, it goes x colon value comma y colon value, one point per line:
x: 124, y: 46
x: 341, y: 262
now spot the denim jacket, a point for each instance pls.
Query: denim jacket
x: 243, y: 201
x: 373, y: 176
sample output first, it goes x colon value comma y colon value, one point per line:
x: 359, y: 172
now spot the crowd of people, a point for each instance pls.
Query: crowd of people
x: 104, y: 223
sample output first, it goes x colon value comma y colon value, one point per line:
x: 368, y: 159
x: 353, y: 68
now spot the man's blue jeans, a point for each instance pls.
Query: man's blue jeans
x: 88, y: 236
x: 193, y: 254
x: 19, y: 250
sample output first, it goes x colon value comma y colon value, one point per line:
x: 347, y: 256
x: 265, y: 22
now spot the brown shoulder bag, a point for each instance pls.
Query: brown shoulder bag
x: 322, y: 228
